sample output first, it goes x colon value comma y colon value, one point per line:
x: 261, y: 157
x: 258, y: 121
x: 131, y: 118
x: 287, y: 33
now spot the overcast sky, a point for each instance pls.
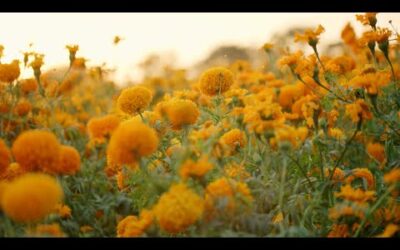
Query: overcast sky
x: 190, y: 35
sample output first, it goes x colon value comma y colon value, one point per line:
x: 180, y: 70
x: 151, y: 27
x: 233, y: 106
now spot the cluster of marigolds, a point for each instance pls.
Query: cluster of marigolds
x: 308, y: 143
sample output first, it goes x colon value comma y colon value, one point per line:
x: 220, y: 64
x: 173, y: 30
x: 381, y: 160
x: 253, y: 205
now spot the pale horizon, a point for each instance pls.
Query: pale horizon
x: 190, y: 36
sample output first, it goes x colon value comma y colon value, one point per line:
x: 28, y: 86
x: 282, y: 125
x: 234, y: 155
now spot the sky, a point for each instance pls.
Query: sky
x: 190, y: 36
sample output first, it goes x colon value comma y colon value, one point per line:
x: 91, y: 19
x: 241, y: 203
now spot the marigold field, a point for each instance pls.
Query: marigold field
x: 307, y: 146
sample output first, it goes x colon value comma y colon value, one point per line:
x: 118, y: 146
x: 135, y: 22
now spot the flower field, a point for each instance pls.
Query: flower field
x: 306, y: 146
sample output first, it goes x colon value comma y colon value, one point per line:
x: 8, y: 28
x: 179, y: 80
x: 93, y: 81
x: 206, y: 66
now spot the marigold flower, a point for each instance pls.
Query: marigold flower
x: 236, y: 171
x: 130, y: 141
x: 70, y: 160
x: 181, y: 113
x: 357, y: 110
x: 9, y: 72
x: 216, y: 81
x: 355, y: 195
x: 37, y: 150
x: 224, y: 189
x: 63, y: 211
x: 134, y: 100
x: 100, y: 128
x: 178, y: 208
x: 390, y: 231
x: 290, y: 93
x: 234, y: 139
x: 195, y: 169
x: 377, y: 151
x: 368, y: 19
x: 28, y: 86
x: 310, y: 36
x: 5, y: 156
x: 46, y: 230
x: 339, y: 230
x: 23, y: 107
x: 392, y: 176
x: 31, y: 197
x: 362, y: 173
x: 132, y: 226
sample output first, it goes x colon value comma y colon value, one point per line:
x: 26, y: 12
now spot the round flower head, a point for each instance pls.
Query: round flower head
x: 5, y: 156
x: 377, y: 151
x: 23, y: 107
x: 100, y: 128
x: 178, y: 208
x: 28, y: 86
x: 37, y: 150
x: 181, y: 113
x: 234, y: 139
x: 132, y: 226
x: 70, y: 161
x: 134, y: 100
x: 9, y: 72
x: 130, y: 141
x: 216, y: 81
x: 31, y: 197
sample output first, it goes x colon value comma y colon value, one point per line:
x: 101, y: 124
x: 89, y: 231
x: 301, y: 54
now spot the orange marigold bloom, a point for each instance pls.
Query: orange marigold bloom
x: 37, y: 150
x: 338, y: 175
x: 23, y: 107
x: 28, y: 86
x: 392, y: 176
x: 390, y: 231
x: 12, y: 171
x: 130, y: 141
x: 100, y: 128
x: 310, y: 36
x: 291, y: 59
x: 178, y: 208
x: 46, y: 230
x: 195, y: 169
x: 358, y: 110
x: 5, y: 156
x: 368, y: 19
x: 216, y: 81
x: 181, y: 113
x: 362, y: 173
x: 70, y: 160
x: 132, y: 226
x: 339, y: 230
x: 31, y: 197
x: 134, y: 100
x: 234, y: 138
x: 348, y: 35
x: 9, y: 72
x: 236, y: 171
x: 290, y: 93
x: 225, y: 189
x: 63, y: 211
x: 355, y: 195
x: 377, y: 151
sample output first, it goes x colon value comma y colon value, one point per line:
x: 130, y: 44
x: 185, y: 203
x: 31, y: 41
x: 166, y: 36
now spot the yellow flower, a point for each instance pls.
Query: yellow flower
x: 46, y: 230
x: 70, y: 161
x: 178, y: 209
x: 368, y: 19
x: 28, y: 86
x: 290, y: 93
x: 130, y: 141
x: 195, y: 169
x: 355, y: 195
x: 31, y: 197
x: 339, y: 230
x: 134, y: 100
x: 290, y: 60
x: 5, y: 156
x: 37, y: 150
x: 63, y: 211
x: 236, y: 171
x: 362, y: 173
x: 225, y: 190
x: 216, y: 81
x: 392, y: 176
x: 310, y: 36
x: 23, y: 107
x: 336, y: 133
x: 9, y: 72
x: 233, y: 139
x: 132, y: 226
x: 357, y: 110
x: 278, y: 218
x: 377, y: 151
x: 181, y: 113
x: 390, y: 231
x: 100, y: 128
